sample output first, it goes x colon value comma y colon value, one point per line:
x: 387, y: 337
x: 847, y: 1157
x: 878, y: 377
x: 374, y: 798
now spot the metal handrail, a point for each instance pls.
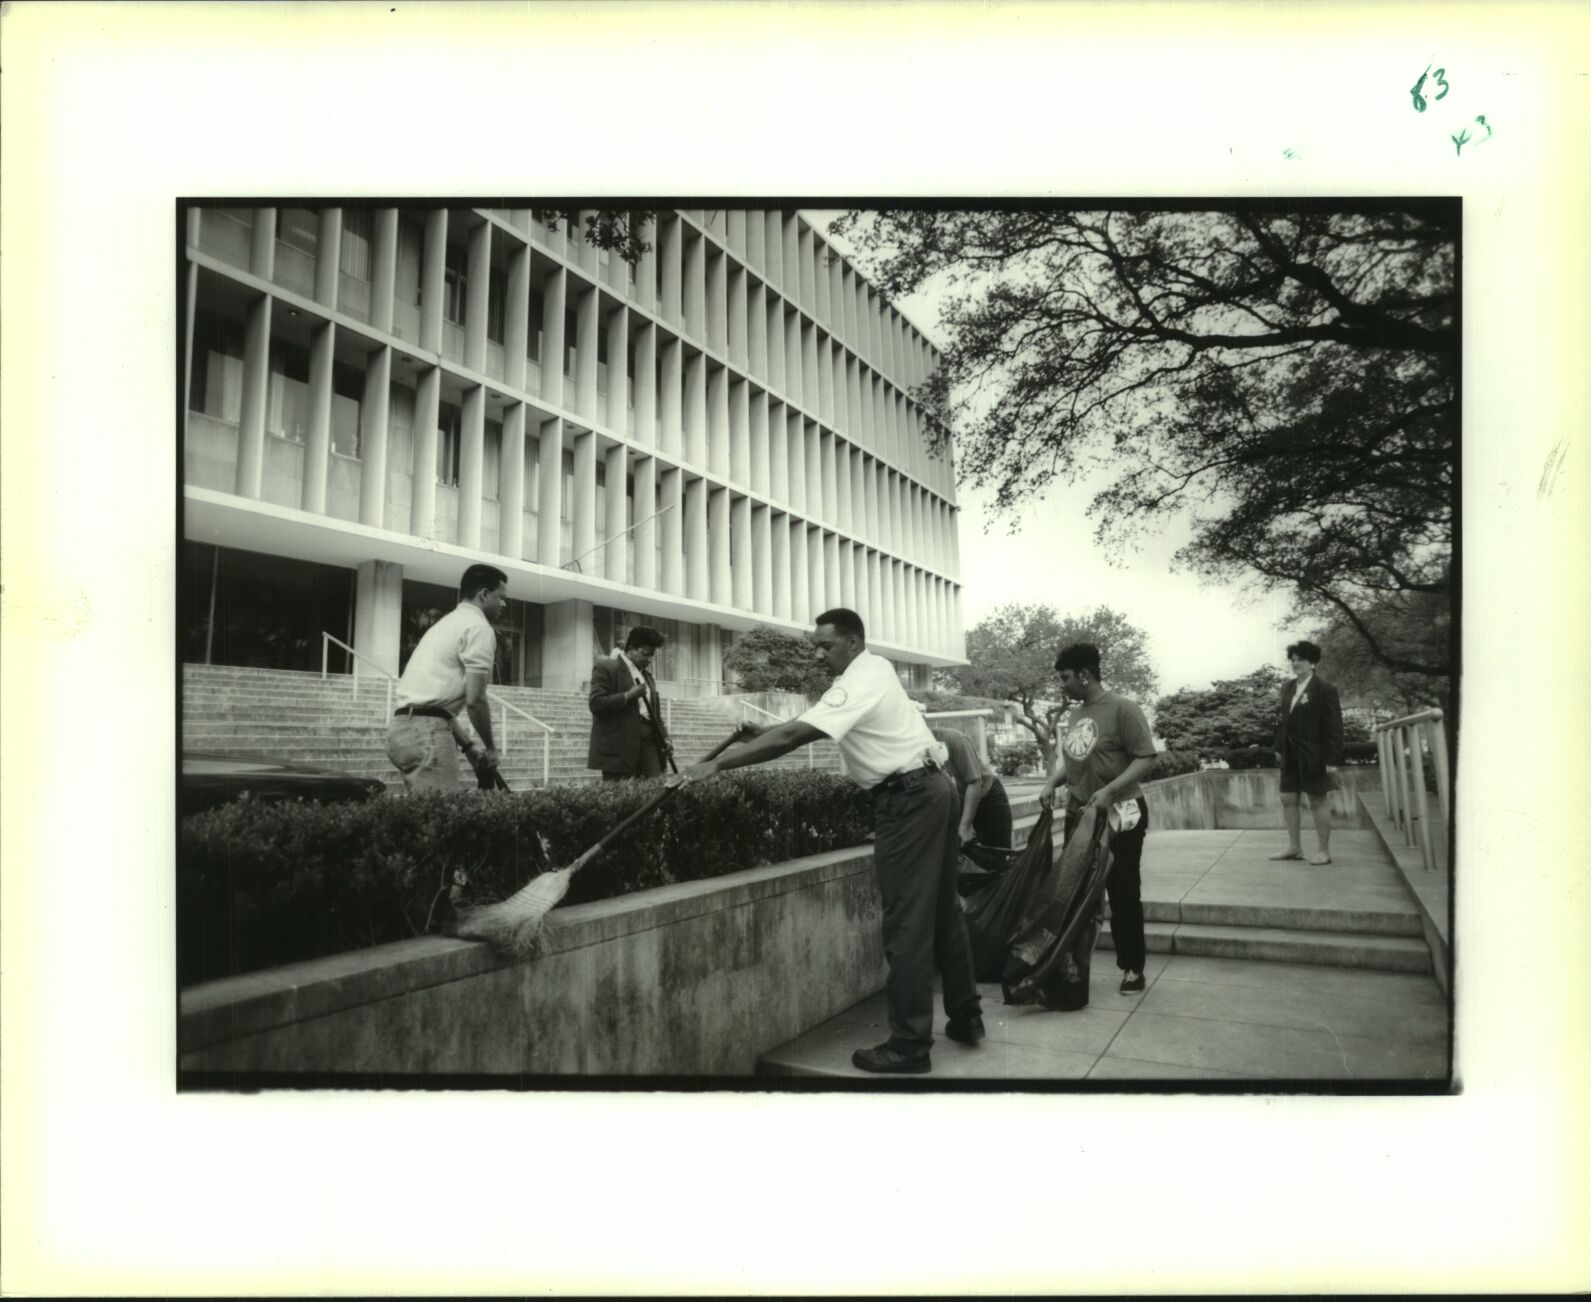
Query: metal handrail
x: 325, y: 654
x: 1401, y: 746
x: 546, y: 733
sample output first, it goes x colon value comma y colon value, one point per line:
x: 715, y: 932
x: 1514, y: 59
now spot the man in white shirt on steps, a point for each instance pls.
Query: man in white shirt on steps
x: 449, y: 673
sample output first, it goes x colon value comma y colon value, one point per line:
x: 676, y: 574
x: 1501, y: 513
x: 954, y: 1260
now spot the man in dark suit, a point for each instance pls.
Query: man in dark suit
x: 627, y: 735
x: 1308, y: 750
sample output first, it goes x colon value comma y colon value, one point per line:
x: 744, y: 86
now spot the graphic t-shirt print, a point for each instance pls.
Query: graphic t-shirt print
x: 1081, y: 737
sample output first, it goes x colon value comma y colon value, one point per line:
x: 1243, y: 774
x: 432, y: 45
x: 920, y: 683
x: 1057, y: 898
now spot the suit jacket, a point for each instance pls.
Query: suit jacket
x: 1311, y: 734
x: 617, y: 728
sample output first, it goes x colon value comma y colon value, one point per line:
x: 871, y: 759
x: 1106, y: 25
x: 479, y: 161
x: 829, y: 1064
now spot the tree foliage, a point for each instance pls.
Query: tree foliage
x: 621, y: 231
x: 1012, y: 653
x: 1286, y: 378
x: 1416, y: 623
x: 1232, y: 712
x: 767, y: 660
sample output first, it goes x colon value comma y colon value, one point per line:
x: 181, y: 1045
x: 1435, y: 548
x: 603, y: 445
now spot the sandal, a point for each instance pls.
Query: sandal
x: 1291, y: 854
x: 1319, y: 860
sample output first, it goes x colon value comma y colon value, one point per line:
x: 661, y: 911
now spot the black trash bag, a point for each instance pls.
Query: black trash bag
x: 979, y: 865
x: 996, y: 903
x: 1051, y: 947
x: 1034, y: 926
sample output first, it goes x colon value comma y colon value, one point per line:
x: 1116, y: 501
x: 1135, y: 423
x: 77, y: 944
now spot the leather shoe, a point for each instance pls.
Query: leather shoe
x: 891, y: 1057
x: 965, y: 1030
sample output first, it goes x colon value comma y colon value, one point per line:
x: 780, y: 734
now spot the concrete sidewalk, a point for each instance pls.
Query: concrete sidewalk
x: 1200, y: 1019
x: 1258, y: 970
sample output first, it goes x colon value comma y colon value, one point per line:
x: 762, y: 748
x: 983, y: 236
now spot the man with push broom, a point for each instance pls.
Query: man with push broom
x: 888, y: 749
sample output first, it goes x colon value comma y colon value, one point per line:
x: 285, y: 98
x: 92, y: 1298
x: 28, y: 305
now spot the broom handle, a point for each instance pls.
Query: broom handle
x: 649, y: 806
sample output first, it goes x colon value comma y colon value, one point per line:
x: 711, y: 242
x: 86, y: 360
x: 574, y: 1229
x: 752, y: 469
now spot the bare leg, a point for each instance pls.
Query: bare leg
x: 1294, y: 821
x: 1320, y: 808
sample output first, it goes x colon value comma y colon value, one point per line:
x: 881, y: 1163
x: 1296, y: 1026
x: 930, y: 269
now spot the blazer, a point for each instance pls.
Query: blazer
x: 1312, y: 734
x: 617, y: 728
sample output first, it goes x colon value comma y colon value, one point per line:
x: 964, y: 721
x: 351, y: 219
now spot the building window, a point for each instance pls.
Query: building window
x: 492, y: 461
x: 356, y: 243
x: 217, y: 383
x: 533, y: 334
x: 571, y: 328
x: 298, y: 228
x: 287, y: 400
x: 449, y: 427
x: 496, y: 299
x: 453, y: 280
x: 411, y: 253
x: 347, y: 393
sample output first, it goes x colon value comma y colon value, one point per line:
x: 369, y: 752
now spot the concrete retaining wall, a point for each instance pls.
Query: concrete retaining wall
x: 696, y: 979
x: 1246, y: 798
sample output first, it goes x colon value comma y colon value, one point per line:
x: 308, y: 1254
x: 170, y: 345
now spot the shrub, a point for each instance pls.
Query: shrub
x: 262, y: 884
x: 1250, y: 757
x: 1171, y: 763
x: 766, y: 659
x: 1013, y: 758
x: 1356, y: 752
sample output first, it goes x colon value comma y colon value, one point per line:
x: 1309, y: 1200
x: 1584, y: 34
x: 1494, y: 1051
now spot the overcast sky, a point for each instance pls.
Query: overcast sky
x: 1197, y: 632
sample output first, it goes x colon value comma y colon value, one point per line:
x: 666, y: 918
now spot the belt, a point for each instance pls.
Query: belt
x: 424, y: 711
x: 895, y: 781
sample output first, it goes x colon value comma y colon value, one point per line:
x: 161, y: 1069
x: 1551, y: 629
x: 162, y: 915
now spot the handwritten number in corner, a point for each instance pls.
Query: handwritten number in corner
x: 1414, y: 90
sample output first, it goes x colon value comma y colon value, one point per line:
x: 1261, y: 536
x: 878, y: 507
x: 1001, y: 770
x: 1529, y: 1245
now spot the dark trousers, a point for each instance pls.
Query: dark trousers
x: 649, y: 764
x: 915, y: 852
x: 992, y: 822
x: 1124, y: 889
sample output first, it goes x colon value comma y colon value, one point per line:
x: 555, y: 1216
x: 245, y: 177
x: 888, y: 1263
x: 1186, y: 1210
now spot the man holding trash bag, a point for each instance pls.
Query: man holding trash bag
x: 985, y: 808
x: 888, y: 749
x: 1107, y: 751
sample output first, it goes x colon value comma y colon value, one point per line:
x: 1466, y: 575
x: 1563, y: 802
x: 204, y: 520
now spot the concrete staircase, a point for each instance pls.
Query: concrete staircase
x: 302, y: 718
x: 1216, y: 894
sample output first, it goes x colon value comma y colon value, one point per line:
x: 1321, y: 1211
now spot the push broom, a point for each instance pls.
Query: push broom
x: 515, y: 923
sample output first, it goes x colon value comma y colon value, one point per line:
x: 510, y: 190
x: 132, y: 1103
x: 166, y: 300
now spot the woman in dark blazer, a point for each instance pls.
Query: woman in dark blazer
x: 1308, y: 750
x: 627, y: 740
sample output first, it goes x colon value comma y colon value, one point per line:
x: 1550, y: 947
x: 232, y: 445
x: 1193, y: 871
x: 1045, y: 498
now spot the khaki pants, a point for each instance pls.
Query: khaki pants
x: 423, y: 750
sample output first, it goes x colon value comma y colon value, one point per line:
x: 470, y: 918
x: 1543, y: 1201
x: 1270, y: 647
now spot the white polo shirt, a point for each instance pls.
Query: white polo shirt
x: 868, y: 713
x: 456, y: 643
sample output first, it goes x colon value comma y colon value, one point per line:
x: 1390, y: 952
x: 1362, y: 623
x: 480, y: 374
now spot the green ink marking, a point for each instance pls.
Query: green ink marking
x: 1414, y: 90
x: 1460, y: 140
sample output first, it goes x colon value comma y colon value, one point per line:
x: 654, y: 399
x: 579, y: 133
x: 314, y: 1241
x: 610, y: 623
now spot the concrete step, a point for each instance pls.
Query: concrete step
x: 1279, y: 945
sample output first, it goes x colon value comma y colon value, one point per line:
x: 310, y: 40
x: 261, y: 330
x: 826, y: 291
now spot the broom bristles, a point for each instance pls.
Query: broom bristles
x: 515, y: 924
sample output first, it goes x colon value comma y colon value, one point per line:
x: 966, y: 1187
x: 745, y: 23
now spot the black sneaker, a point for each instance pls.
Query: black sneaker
x: 891, y: 1057
x: 1132, y: 983
x: 965, y: 1030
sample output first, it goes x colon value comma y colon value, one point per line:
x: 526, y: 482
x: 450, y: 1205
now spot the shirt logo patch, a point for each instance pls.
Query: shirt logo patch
x: 1081, y: 737
x: 834, y: 697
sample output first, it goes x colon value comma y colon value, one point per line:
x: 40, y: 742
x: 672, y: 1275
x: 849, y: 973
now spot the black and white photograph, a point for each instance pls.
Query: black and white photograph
x: 657, y: 647
x: 531, y: 539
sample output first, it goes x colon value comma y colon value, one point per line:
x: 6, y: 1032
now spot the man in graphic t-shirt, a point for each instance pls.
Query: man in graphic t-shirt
x: 1107, y: 751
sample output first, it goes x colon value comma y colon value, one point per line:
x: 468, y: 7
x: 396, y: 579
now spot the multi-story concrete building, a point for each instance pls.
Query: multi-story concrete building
x: 719, y: 436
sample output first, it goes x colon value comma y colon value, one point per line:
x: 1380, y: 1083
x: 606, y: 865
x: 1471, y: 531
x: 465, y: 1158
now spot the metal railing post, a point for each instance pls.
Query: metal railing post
x: 546, y: 759
x: 1427, y: 851
x: 1406, y: 770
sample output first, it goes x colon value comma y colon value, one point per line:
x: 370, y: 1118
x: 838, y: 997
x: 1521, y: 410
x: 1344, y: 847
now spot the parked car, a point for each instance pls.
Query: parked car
x: 212, y: 778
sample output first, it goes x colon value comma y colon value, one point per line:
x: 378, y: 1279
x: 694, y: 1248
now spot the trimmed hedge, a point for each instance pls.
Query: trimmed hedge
x: 1250, y: 757
x: 1173, y: 763
x: 1011, y: 759
x: 263, y: 884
